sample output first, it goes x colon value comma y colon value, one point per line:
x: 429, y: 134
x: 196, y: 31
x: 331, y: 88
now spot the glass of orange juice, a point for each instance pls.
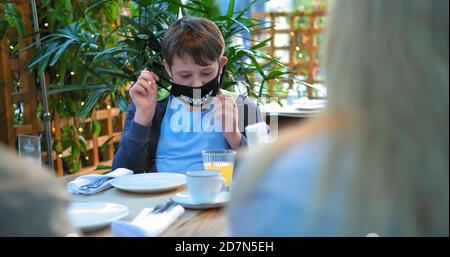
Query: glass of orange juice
x: 221, y: 160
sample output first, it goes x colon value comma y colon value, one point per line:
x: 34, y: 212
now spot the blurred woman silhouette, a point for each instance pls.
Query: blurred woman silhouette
x: 376, y: 161
x: 32, y: 202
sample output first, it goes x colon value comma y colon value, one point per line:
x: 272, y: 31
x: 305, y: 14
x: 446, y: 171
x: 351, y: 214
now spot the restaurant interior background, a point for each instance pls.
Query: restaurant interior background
x: 91, y: 51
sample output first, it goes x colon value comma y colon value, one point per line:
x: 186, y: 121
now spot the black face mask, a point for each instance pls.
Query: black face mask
x: 198, y: 95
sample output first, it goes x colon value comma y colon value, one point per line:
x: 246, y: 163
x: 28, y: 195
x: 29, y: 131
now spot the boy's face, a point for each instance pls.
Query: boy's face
x: 185, y: 71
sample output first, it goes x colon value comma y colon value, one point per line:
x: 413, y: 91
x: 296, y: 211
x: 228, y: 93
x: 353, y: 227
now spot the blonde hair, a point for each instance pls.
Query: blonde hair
x: 387, y: 76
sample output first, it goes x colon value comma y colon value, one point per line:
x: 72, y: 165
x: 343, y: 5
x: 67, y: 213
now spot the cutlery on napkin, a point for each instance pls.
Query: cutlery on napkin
x: 150, y: 222
x: 94, y: 183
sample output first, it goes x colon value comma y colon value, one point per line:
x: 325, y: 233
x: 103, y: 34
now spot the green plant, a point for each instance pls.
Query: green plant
x: 92, y: 19
x: 90, y: 56
x: 109, y: 68
x: 10, y: 18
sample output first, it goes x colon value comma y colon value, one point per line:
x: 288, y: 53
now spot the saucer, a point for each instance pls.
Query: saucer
x: 185, y: 200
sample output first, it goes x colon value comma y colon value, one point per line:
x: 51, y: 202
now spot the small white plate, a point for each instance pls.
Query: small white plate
x: 185, y: 199
x: 149, y: 182
x: 94, y: 215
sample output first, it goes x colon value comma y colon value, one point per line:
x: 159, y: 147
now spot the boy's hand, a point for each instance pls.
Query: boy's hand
x: 226, y: 110
x: 145, y: 96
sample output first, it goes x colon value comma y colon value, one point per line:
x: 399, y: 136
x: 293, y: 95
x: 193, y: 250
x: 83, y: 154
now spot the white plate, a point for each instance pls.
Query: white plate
x: 185, y: 199
x: 94, y: 215
x: 149, y: 182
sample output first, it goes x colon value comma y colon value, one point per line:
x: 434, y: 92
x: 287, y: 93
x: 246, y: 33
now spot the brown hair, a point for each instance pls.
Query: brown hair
x: 198, y: 38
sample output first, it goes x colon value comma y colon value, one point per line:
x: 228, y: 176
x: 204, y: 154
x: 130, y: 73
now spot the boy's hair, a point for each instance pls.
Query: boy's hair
x: 193, y: 37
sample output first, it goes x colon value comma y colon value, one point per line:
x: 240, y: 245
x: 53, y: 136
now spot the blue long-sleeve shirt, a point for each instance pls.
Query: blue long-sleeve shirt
x: 139, y: 144
x: 133, y: 151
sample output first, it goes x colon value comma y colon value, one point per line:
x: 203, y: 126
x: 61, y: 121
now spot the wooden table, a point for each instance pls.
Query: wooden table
x: 208, y: 223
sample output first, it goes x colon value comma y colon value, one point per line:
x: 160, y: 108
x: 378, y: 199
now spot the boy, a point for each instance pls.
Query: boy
x: 169, y: 135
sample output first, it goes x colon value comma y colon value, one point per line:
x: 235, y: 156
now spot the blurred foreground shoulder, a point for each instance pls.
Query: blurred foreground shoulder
x: 32, y: 201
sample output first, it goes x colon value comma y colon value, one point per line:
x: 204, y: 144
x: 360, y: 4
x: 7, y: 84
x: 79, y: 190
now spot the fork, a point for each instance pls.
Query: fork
x: 160, y: 208
x: 95, y: 183
x: 163, y: 207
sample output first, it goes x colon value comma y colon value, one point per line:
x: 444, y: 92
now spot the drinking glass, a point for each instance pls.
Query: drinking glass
x: 220, y: 160
x: 30, y: 148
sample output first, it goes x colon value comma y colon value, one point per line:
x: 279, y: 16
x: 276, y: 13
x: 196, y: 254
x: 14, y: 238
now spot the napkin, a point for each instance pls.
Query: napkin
x: 257, y: 134
x: 75, y: 186
x: 147, y: 224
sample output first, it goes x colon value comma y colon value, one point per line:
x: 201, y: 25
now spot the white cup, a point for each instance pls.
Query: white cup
x: 205, y: 185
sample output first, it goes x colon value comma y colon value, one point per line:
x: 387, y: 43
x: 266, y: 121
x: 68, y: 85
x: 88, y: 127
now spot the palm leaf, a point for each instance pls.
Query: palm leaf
x: 122, y: 102
x: 49, y: 50
x: 103, y: 167
x: 230, y: 8
x: 72, y: 87
x: 90, y: 102
x: 61, y: 49
x: 103, y: 147
x: 112, y: 72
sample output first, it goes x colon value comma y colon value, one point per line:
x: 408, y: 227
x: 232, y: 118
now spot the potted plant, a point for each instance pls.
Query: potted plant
x: 91, y: 59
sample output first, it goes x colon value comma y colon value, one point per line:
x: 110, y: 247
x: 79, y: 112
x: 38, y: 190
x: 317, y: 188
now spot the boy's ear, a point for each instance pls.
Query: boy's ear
x: 223, y: 61
x: 166, y: 66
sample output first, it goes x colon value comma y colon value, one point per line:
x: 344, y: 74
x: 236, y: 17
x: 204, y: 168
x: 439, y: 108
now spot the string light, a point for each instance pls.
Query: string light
x: 297, y: 48
x: 87, y: 158
x: 46, y: 24
x: 72, y: 73
x: 82, y: 103
x: 92, y: 36
x: 57, y: 75
x: 80, y: 129
x: 60, y: 155
x: 53, y: 129
x: 108, y: 106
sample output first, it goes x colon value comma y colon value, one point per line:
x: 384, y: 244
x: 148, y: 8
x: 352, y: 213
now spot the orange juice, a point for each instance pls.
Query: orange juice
x: 225, y: 168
